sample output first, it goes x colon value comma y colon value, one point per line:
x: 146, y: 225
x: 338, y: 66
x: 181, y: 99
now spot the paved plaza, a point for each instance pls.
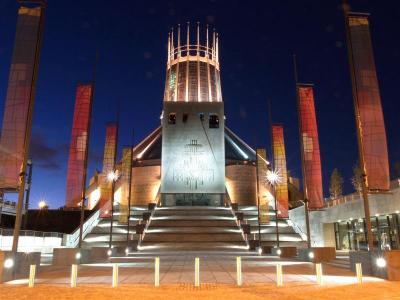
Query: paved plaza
x: 217, y: 276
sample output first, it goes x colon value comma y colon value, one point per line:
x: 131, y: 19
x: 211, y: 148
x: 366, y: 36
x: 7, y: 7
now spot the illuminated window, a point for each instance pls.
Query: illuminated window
x: 172, y: 118
x: 213, y: 121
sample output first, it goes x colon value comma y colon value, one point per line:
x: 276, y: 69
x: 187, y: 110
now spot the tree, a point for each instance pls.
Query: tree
x: 396, y: 170
x: 336, y: 184
x: 357, y: 178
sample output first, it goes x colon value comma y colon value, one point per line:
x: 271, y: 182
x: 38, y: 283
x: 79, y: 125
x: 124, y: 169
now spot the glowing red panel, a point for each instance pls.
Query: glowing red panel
x: 108, y: 166
x: 311, y: 153
x: 20, y: 95
x: 281, y: 188
x: 79, y: 145
x: 368, y: 104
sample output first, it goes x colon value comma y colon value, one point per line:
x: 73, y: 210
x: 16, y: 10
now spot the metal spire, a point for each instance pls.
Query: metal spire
x: 207, y: 39
x: 213, y: 45
x: 179, y: 40
x: 198, y: 38
x: 169, y: 47
x: 187, y: 38
x: 217, y: 49
x: 172, y: 40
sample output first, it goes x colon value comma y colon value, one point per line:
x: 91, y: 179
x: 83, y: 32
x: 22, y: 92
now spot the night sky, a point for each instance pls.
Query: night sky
x: 257, y: 40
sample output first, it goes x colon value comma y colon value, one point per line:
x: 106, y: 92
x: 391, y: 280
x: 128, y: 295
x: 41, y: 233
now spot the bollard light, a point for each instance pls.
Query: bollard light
x: 381, y: 262
x: 239, y: 270
x: 279, y: 275
x: 74, y: 275
x: 8, y: 263
x: 127, y: 250
x: 279, y: 252
x: 318, y: 270
x: 359, y: 272
x: 157, y: 272
x: 109, y: 252
x: 197, y: 272
x: 115, y: 276
x: 311, y: 255
x: 32, y: 271
x: 78, y: 255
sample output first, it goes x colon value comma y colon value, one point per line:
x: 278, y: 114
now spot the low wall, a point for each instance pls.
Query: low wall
x: 31, y: 243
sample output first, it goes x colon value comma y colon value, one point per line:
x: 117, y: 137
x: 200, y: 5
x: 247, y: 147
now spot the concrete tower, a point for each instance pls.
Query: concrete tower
x: 193, y: 150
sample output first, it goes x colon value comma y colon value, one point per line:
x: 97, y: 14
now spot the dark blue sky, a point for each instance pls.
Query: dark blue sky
x: 257, y: 40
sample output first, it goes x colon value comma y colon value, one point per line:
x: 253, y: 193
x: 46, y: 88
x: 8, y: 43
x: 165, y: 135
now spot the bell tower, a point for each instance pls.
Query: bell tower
x: 193, y: 150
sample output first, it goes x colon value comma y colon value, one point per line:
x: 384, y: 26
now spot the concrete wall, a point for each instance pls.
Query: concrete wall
x: 241, y: 184
x: 193, y: 155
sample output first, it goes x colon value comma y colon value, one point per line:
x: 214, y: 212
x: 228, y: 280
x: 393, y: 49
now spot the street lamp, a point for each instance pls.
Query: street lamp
x: 112, y: 176
x: 273, y: 178
x: 42, y: 204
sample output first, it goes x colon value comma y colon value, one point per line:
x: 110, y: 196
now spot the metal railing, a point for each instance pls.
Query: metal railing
x: 33, y: 233
x: 343, y: 200
x: 72, y: 240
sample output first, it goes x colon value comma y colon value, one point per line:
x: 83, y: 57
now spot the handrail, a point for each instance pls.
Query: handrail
x: 72, y: 239
x: 343, y: 199
x: 297, y: 229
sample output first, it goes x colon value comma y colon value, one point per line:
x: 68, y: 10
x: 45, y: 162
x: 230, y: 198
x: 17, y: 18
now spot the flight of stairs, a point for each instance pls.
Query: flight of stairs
x: 287, y: 235
x: 100, y: 235
x: 193, y: 228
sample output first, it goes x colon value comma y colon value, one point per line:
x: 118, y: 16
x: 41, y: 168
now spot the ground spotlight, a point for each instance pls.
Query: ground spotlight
x: 381, y: 262
x: 8, y: 263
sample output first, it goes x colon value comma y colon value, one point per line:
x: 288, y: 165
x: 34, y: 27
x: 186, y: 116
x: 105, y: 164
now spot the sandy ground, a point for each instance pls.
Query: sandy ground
x: 292, y: 291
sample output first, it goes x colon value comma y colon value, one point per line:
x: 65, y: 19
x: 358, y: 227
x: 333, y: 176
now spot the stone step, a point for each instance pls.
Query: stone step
x: 193, y: 246
x: 194, y: 217
x: 193, y: 237
x: 196, y: 212
x: 192, y: 229
x: 104, y: 244
x: 116, y: 229
x: 191, y: 208
x: 298, y: 245
x: 272, y: 229
x: 194, y: 222
x: 282, y: 237
x: 100, y: 237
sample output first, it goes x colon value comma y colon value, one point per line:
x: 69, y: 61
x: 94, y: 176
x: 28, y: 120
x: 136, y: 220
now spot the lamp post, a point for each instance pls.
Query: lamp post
x: 28, y: 192
x: 112, y: 177
x: 273, y: 179
x: 129, y: 193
